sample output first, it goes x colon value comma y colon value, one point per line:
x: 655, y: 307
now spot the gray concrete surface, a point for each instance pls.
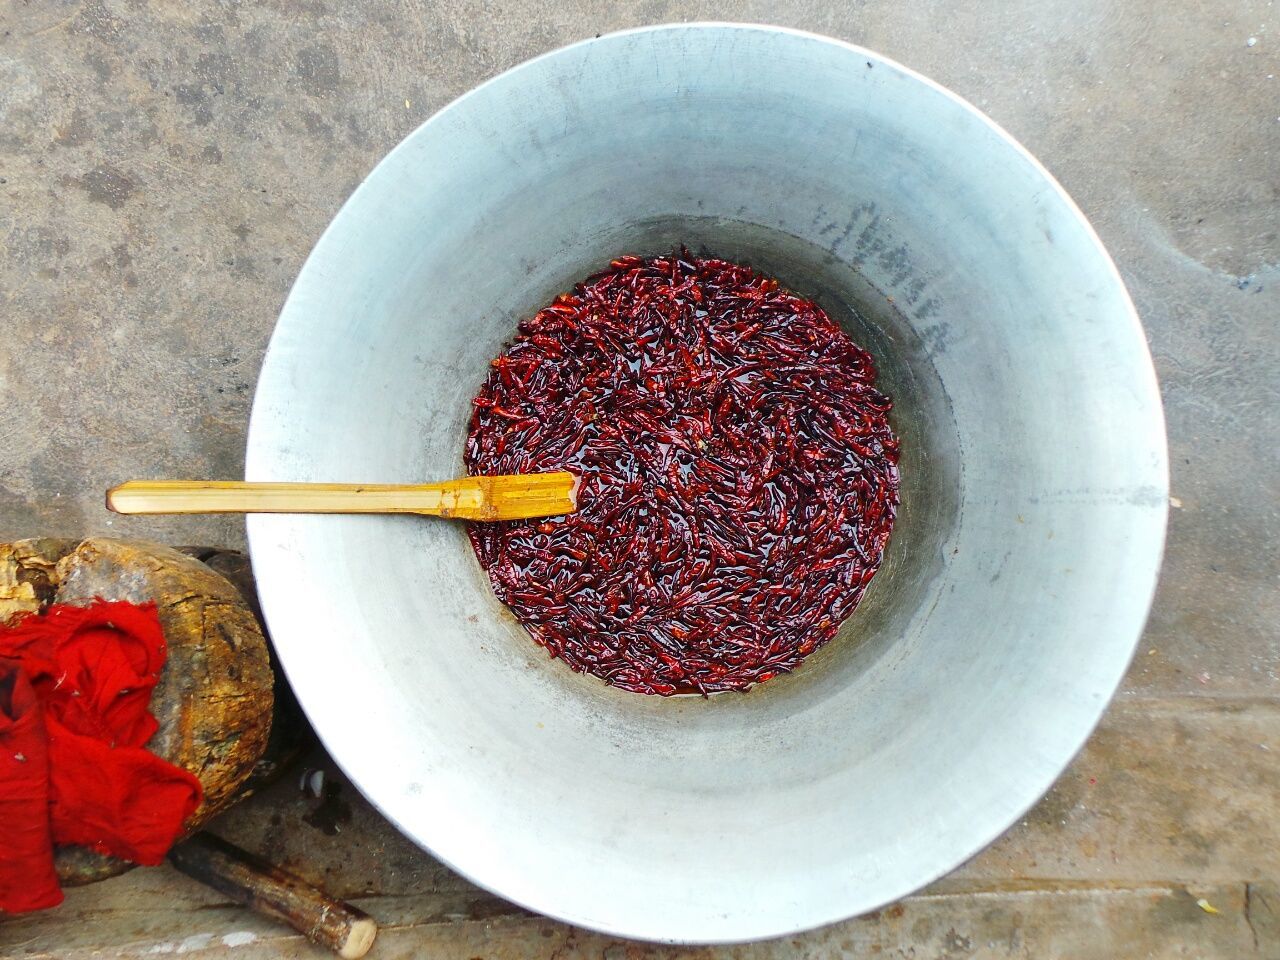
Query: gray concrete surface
x: 165, y: 167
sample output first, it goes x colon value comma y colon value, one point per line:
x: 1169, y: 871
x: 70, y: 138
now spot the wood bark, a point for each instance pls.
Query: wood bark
x: 276, y: 893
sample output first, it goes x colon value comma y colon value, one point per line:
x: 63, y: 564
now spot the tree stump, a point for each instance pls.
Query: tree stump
x: 214, y: 698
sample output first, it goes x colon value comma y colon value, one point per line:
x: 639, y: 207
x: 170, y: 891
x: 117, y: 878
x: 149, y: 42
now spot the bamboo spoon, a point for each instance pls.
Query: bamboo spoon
x: 515, y: 497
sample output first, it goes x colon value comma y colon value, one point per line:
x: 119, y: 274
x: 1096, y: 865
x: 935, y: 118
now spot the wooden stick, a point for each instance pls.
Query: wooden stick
x: 470, y: 498
x: 276, y: 894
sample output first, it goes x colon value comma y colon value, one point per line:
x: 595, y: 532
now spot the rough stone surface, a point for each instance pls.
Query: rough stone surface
x: 164, y: 169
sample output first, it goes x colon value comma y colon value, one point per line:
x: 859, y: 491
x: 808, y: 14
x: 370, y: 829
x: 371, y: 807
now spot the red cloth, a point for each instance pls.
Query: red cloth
x: 92, y: 670
x: 27, y: 878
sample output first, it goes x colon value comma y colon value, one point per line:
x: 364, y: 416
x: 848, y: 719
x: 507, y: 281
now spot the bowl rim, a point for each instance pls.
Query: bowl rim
x: 1157, y: 441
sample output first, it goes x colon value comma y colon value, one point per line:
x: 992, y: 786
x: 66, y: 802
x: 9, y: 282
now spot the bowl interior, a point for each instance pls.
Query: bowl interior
x: 1019, y: 573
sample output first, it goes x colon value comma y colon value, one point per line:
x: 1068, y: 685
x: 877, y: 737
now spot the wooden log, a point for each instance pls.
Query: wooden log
x: 28, y: 574
x: 214, y: 699
x: 291, y: 734
x: 274, y: 893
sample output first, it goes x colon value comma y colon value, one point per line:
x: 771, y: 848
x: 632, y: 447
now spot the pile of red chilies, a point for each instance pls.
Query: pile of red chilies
x: 738, y: 475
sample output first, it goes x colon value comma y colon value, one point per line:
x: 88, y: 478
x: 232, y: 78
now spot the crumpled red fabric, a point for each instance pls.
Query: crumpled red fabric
x: 27, y: 878
x: 77, y: 712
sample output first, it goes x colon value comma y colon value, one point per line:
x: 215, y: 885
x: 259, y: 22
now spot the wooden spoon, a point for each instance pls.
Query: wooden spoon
x: 515, y: 497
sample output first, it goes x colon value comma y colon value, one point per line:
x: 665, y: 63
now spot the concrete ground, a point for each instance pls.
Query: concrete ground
x: 164, y: 168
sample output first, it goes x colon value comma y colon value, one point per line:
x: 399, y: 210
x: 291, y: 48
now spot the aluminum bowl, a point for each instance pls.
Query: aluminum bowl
x: 1017, y: 580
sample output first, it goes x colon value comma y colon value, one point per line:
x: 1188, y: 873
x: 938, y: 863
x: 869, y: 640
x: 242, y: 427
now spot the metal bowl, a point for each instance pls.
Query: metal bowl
x: 1018, y: 577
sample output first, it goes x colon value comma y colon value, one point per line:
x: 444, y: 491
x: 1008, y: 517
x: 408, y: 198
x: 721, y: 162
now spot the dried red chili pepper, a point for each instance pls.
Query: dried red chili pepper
x: 739, y: 476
